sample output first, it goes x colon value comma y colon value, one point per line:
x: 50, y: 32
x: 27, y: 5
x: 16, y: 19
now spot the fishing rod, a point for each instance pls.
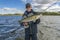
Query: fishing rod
x: 50, y: 6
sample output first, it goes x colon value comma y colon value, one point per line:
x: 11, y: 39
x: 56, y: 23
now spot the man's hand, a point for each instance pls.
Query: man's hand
x: 25, y: 23
x: 37, y: 21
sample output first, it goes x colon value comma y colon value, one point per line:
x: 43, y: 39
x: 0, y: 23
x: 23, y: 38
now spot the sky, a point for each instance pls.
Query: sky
x: 18, y: 6
x: 11, y: 6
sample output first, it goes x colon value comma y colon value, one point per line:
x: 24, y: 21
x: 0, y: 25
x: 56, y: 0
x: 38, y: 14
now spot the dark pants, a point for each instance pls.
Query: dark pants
x: 31, y: 33
x: 29, y: 36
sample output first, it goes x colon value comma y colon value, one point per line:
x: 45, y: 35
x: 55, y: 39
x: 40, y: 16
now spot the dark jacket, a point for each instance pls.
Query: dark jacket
x: 32, y: 25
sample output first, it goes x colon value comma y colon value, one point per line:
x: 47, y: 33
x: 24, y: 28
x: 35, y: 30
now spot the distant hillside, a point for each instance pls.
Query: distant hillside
x: 43, y: 13
x: 11, y: 14
x: 49, y: 13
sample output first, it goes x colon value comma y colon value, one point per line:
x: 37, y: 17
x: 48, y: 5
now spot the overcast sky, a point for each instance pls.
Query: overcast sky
x: 18, y: 6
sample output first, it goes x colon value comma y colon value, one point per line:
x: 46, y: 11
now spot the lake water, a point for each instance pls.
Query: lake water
x: 49, y: 28
x: 10, y: 29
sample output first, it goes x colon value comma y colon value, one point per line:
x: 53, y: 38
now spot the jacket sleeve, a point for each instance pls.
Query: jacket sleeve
x: 38, y: 20
x: 24, y: 15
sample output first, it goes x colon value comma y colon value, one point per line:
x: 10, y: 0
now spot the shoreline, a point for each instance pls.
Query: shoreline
x: 21, y: 15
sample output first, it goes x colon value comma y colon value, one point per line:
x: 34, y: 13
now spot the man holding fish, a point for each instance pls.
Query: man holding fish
x: 31, y: 30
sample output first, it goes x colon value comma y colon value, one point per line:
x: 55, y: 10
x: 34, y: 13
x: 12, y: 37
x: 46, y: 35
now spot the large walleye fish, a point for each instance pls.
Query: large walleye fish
x: 28, y: 19
x: 31, y: 18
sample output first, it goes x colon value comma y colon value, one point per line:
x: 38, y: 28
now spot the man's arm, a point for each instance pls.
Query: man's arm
x: 24, y: 15
x: 38, y: 20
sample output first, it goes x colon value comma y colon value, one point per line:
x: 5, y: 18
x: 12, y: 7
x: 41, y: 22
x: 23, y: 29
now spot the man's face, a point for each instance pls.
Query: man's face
x: 28, y: 9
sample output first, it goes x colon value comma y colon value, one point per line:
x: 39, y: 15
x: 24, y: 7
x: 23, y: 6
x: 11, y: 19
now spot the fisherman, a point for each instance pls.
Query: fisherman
x: 31, y: 31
